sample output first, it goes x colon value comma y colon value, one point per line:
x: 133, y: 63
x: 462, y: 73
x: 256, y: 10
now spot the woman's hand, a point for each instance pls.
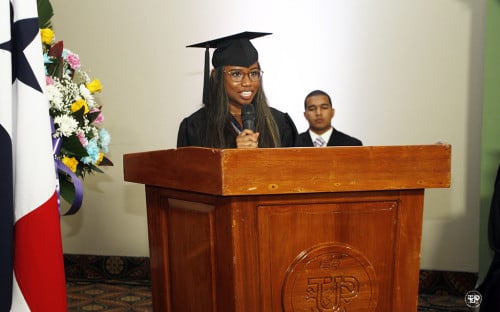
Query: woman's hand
x: 247, y: 139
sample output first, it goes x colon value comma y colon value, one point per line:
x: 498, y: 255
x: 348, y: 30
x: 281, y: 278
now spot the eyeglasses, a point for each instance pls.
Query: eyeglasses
x: 237, y: 75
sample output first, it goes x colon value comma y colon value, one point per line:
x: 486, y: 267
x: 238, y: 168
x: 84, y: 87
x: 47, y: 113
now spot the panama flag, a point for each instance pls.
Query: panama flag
x: 31, y: 260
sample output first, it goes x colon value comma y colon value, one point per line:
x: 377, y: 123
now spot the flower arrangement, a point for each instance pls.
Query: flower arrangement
x: 80, y: 141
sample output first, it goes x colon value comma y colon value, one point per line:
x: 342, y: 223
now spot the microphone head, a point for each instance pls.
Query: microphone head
x: 248, y: 116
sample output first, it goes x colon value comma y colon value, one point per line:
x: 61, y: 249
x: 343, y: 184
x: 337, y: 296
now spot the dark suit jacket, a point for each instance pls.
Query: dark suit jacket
x: 336, y: 139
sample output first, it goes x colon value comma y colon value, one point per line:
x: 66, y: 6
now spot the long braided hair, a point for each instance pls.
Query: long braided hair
x: 219, y: 132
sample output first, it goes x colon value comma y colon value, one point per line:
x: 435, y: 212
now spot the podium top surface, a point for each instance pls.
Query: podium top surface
x: 229, y: 172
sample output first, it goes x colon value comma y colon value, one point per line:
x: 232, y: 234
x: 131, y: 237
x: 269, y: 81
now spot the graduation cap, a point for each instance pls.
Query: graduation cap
x: 234, y: 50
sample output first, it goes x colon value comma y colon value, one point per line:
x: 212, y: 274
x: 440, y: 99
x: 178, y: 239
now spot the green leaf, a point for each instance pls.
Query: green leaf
x: 72, y: 146
x: 79, y: 115
x: 66, y: 188
x: 106, y: 162
x: 55, y: 69
x: 92, y: 116
x: 45, y: 13
x: 95, y: 168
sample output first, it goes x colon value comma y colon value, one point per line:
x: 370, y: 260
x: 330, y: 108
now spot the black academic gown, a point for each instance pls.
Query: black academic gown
x: 336, y: 139
x: 490, y: 287
x: 192, y: 127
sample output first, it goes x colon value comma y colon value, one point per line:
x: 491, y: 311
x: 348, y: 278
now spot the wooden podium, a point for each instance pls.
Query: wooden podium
x: 289, y: 229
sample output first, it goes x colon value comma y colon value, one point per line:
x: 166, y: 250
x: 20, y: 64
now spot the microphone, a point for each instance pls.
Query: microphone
x: 248, y: 116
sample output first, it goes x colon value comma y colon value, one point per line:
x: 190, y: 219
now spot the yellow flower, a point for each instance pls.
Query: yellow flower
x: 76, y: 106
x: 94, y: 86
x: 70, y: 162
x: 101, y: 157
x: 47, y: 35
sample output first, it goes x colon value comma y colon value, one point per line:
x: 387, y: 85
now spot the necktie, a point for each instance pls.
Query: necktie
x: 319, y: 142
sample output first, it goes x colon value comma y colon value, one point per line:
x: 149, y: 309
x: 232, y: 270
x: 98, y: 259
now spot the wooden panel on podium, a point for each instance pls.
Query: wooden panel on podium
x: 291, y: 229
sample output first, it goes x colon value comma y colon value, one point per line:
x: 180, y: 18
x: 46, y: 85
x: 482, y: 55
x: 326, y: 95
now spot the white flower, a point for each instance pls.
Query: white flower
x: 55, y: 97
x: 74, y: 110
x: 67, y: 125
x: 87, y: 96
x: 70, y: 91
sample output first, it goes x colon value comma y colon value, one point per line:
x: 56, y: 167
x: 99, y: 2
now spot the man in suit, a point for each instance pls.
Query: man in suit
x: 319, y: 113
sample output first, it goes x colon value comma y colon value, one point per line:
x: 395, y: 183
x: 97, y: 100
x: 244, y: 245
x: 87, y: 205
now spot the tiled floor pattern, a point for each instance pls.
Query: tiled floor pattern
x: 124, y: 297
x: 115, y: 283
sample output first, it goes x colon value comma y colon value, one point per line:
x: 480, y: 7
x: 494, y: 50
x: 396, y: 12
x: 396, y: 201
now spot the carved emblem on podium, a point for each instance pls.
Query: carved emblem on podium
x: 330, y: 277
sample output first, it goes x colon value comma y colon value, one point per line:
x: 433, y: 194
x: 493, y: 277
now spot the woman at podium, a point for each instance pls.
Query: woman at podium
x: 235, y: 85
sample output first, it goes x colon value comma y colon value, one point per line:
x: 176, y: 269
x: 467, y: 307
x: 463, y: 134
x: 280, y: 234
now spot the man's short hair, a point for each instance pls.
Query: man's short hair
x: 317, y: 92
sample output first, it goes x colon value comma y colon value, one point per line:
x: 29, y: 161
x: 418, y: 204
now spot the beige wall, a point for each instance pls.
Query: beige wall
x: 400, y: 72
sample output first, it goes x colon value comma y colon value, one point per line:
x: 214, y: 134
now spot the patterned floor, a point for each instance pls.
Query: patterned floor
x: 122, y: 284
x: 136, y: 297
x: 441, y: 303
x: 105, y: 296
